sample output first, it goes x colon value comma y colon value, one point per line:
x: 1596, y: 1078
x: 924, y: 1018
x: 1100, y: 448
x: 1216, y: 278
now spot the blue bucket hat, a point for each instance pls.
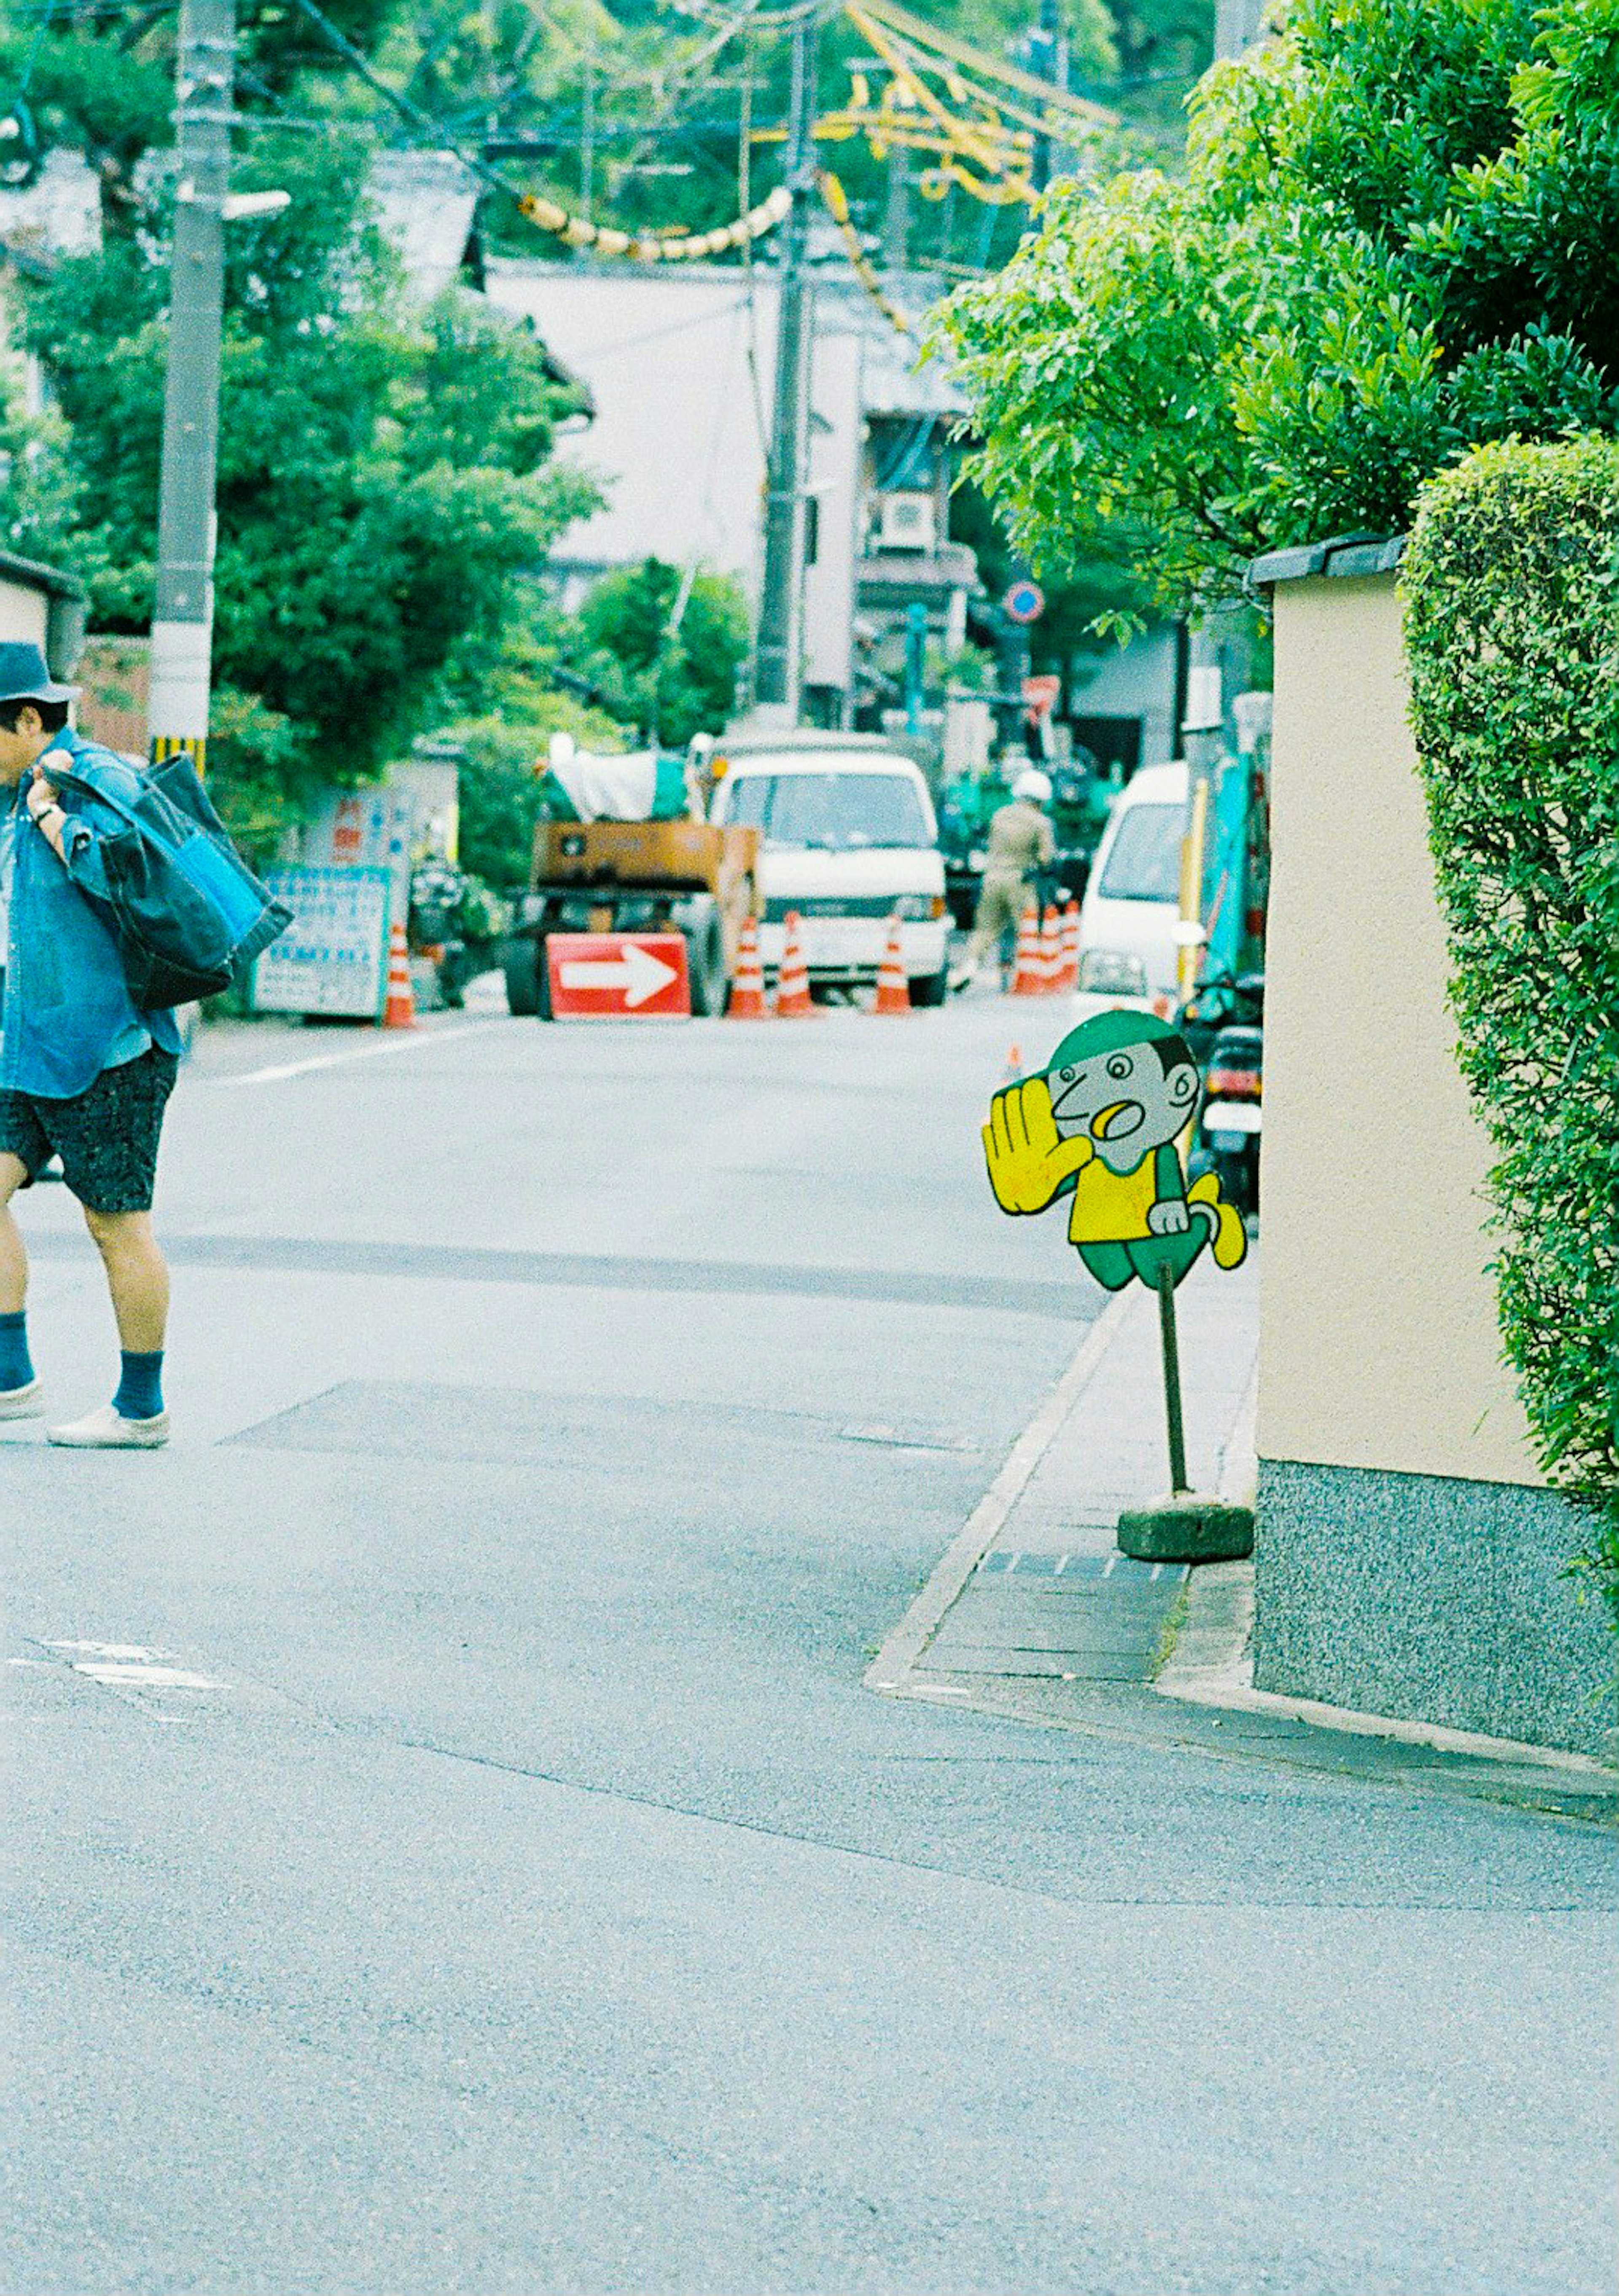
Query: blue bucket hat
x: 24, y: 677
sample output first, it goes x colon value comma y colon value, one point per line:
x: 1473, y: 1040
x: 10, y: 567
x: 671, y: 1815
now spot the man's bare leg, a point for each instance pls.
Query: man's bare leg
x: 13, y: 1259
x: 137, y: 1277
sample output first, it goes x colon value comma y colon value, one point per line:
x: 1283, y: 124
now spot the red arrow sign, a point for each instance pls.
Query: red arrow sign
x: 617, y: 976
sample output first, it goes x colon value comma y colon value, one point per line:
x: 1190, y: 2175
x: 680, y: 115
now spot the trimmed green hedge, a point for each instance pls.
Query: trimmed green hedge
x: 1512, y: 587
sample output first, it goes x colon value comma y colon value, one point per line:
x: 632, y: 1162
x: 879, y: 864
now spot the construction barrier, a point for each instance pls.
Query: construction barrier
x: 893, y: 983
x: 748, y: 1001
x: 1027, y: 979
x: 793, y: 1000
x: 1051, y: 953
x: 399, y: 1009
x: 1070, y: 947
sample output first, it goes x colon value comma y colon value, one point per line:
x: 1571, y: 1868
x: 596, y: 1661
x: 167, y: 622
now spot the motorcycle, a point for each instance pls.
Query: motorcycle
x: 1223, y: 1022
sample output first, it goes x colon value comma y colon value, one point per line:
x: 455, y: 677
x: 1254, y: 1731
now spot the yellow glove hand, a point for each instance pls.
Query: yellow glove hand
x: 1028, y: 1160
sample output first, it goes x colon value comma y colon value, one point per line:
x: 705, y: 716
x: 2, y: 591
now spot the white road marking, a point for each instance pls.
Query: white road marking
x: 405, y: 1041
x: 135, y: 1651
x: 130, y: 1665
x: 145, y: 1676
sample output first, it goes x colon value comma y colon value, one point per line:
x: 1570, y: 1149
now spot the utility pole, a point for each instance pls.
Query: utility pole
x: 778, y: 673
x: 181, y: 627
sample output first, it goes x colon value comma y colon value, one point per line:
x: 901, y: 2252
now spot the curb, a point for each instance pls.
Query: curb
x: 905, y: 1643
x: 1202, y: 1701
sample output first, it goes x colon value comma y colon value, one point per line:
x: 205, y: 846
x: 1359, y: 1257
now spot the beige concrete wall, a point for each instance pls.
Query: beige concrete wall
x: 22, y: 614
x: 1379, y: 1346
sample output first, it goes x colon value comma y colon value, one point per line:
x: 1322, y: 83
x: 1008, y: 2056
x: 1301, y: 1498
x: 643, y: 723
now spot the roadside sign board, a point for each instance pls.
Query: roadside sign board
x: 618, y: 976
x: 333, y: 957
x: 369, y: 828
x: 1025, y: 601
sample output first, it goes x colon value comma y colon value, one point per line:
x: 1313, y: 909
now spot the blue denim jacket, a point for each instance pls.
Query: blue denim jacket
x: 66, y: 1000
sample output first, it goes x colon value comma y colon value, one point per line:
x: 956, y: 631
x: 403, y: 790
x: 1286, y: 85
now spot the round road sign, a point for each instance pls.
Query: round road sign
x: 1025, y: 601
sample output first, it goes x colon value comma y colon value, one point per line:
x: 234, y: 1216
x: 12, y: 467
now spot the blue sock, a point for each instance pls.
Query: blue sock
x: 140, y: 1391
x: 16, y: 1364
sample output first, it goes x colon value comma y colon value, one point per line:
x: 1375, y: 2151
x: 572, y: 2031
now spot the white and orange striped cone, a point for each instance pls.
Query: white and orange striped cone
x: 793, y: 999
x: 1050, y: 955
x: 1070, y: 947
x: 893, y: 984
x: 1026, y: 980
x: 399, y: 1010
x: 747, y: 987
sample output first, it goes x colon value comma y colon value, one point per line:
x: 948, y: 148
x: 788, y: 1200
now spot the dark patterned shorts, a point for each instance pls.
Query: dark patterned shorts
x: 106, y: 1137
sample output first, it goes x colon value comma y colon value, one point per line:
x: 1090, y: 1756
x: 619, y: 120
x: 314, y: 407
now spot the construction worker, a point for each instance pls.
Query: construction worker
x: 1020, y: 844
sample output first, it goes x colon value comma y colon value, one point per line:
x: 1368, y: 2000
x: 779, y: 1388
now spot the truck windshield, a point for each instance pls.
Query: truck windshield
x: 1145, y: 862
x: 833, y: 812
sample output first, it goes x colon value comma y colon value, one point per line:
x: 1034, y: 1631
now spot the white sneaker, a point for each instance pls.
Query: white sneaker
x: 104, y: 1430
x: 20, y: 1402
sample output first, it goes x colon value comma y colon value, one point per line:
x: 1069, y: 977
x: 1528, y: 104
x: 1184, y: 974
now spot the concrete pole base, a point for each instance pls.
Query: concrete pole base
x: 1187, y: 1528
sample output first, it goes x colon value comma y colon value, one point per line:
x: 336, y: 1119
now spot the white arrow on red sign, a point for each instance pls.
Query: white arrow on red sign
x: 636, y: 974
x: 598, y: 976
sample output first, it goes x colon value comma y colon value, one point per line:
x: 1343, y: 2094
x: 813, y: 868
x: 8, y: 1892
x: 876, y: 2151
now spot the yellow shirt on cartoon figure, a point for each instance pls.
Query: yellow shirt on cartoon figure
x: 1112, y: 1207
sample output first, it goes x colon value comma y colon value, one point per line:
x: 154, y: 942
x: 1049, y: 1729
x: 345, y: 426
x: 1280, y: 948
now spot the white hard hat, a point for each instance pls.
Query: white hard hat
x: 1034, y: 785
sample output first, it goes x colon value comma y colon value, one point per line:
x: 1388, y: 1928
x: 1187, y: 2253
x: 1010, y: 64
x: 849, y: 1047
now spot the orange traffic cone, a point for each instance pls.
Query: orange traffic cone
x: 793, y: 1001
x: 747, y: 988
x: 399, y: 1012
x: 1026, y: 979
x: 1070, y: 947
x: 893, y: 985
x: 1051, y: 953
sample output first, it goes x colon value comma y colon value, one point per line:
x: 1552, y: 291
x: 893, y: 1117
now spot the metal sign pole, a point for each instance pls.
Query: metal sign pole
x: 1170, y: 1338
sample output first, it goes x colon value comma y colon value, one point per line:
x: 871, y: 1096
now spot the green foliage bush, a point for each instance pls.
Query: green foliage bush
x: 1511, y: 584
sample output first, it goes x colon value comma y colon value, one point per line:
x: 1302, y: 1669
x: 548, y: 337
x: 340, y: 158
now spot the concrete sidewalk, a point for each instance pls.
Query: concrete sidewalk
x: 1034, y: 1612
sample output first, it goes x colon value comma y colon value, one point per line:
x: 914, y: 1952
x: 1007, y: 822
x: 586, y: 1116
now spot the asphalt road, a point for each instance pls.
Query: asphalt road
x: 536, y: 1901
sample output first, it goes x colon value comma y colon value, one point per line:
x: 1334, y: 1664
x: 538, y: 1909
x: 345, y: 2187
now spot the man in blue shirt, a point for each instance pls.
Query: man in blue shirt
x: 83, y: 1074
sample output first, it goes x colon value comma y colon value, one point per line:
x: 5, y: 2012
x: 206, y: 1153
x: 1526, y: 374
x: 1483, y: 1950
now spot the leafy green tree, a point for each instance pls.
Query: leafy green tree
x: 1397, y: 234
x: 384, y: 475
x: 669, y: 678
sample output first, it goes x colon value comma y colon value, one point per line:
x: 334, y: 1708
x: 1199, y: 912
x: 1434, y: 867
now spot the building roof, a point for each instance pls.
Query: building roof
x: 1343, y: 555
x: 950, y: 567
x: 425, y: 207
x: 425, y: 204
x: 32, y: 575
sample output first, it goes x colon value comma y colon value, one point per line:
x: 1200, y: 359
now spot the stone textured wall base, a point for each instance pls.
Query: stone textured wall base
x: 1434, y: 1599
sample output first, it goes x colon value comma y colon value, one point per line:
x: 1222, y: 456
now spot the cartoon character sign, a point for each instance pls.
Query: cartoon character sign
x: 1100, y: 1125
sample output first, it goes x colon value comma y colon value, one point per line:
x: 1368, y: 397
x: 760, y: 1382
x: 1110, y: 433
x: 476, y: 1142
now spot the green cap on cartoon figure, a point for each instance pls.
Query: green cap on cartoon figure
x: 1126, y: 1080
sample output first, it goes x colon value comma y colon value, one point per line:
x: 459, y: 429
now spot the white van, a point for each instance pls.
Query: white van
x: 848, y: 839
x: 1129, y: 920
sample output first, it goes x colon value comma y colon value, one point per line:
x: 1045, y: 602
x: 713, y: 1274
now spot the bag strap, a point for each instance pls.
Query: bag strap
x: 71, y: 777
